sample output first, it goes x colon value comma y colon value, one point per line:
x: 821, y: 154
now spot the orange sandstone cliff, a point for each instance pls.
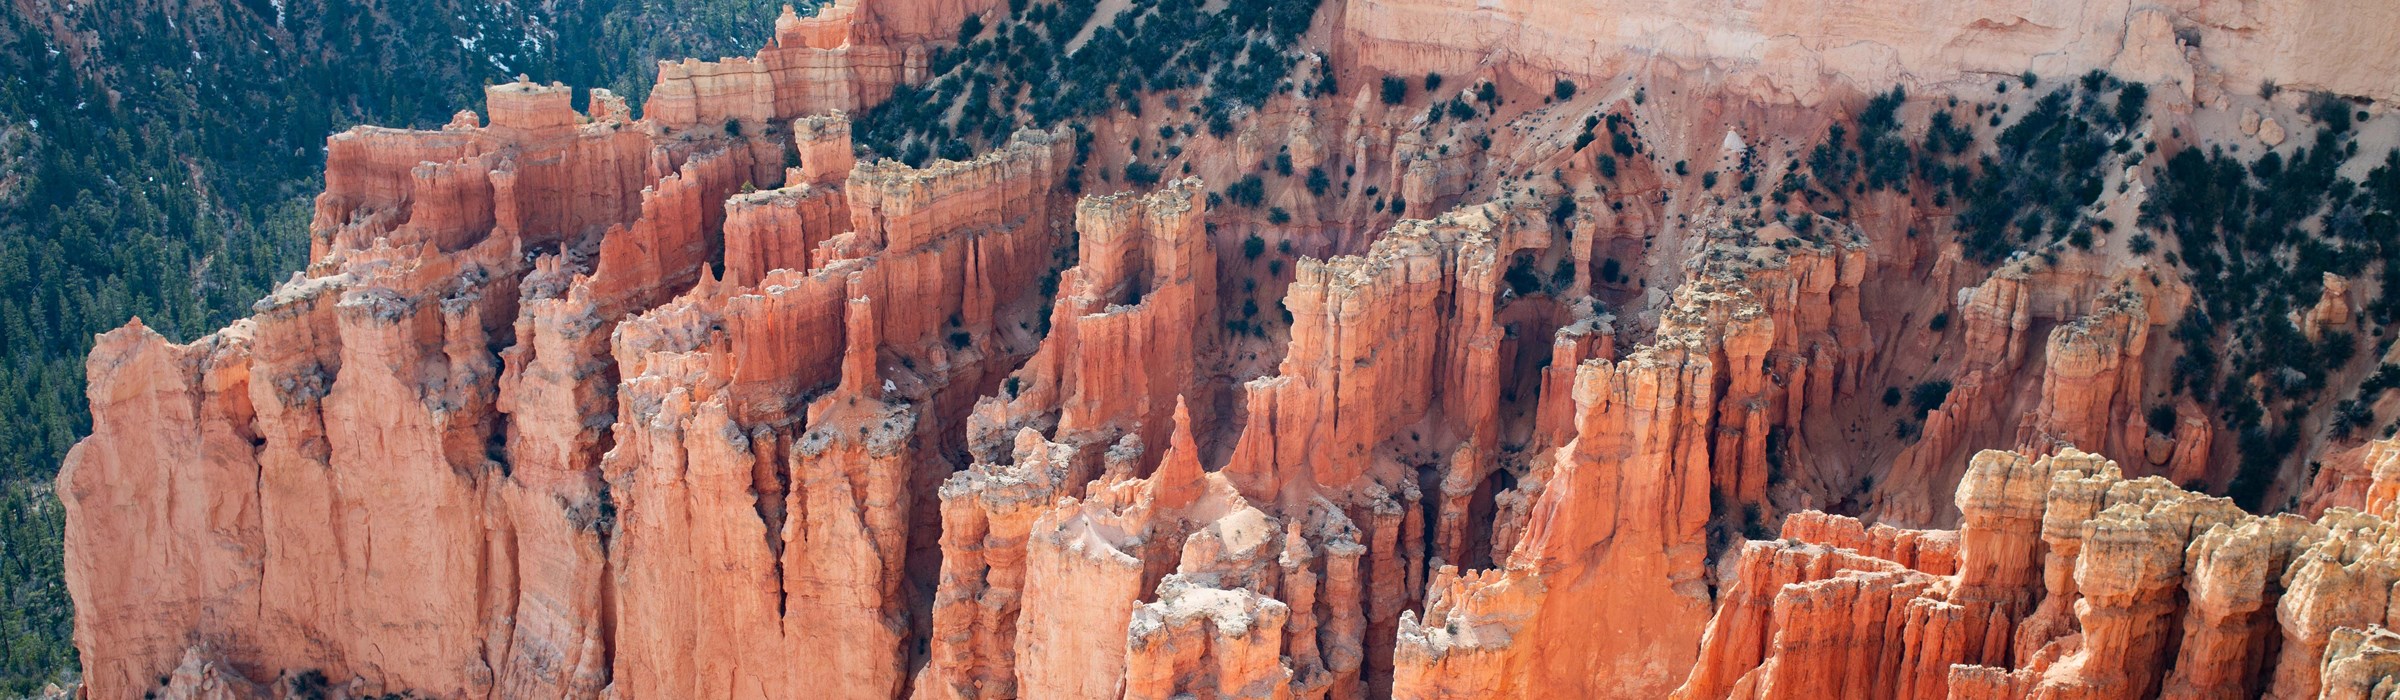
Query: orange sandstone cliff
x: 713, y: 403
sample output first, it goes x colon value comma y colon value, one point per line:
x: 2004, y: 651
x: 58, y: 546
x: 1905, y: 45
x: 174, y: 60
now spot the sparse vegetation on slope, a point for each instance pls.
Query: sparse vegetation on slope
x: 2257, y: 238
x: 1049, y: 62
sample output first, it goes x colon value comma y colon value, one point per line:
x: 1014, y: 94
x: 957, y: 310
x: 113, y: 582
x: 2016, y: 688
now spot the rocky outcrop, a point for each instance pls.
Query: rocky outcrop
x: 2084, y: 386
x: 2145, y: 590
x: 1125, y: 334
x: 375, y: 532
x: 1488, y: 635
x: 2365, y: 477
x: 706, y: 404
x: 1615, y: 541
x: 1107, y: 381
x: 2360, y: 664
x: 1995, y: 315
x: 847, y: 56
x: 421, y: 485
x: 1808, y: 352
x: 1786, y: 53
x: 133, y: 562
x: 800, y: 512
x: 2092, y: 381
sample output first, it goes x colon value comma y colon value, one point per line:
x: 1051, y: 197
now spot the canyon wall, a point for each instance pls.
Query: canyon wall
x: 709, y: 404
x: 2144, y: 590
x: 509, y: 410
x: 1785, y: 50
x: 847, y: 56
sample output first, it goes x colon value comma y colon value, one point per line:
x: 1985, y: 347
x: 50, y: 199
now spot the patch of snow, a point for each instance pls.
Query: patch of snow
x: 1733, y: 144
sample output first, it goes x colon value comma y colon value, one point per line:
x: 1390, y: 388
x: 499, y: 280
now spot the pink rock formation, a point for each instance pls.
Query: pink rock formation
x: 2151, y: 591
x: 1615, y: 542
x: 706, y: 405
x: 2092, y: 381
x: 848, y: 56
x: 780, y: 228
x: 371, y: 523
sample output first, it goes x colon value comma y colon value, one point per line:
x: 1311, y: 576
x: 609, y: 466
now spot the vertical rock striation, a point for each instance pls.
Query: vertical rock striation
x: 2144, y: 590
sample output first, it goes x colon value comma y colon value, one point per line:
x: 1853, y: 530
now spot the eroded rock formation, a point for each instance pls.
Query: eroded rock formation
x: 712, y: 404
x: 2144, y: 590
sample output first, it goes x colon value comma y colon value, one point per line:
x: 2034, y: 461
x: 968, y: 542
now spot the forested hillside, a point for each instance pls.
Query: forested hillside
x: 157, y: 159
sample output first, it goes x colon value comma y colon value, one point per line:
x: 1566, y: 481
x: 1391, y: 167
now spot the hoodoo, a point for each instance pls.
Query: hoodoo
x: 954, y: 349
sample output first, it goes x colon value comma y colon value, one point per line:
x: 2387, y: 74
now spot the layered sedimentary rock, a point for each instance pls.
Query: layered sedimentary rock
x: 172, y: 405
x: 375, y: 536
x: 1270, y: 578
x: 710, y: 404
x: 1615, y: 540
x: 2092, y: 381
x: 1117, y: 362
x: 2145, y: 590
x: 2081, y: 385
x: 436, y: 499
x: 1785, y: 52
x: 848, y: 55
x: 800, y: 511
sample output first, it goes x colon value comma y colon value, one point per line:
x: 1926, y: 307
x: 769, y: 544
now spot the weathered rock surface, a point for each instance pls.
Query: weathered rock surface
x: 849, y: 55
x: 1786, y: 50
x: 707, y: 404
x: 2146, y: 590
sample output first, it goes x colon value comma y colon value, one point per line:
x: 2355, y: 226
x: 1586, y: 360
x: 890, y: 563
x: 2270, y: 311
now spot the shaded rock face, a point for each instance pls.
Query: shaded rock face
x: 708, y: 405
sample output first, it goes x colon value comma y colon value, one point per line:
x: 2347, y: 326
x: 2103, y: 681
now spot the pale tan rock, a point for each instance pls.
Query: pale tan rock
x: 1787, y: 52
x: 200, y: 677
x: 2341, y: 580
x: 2234, y: 573
x: 2362, y: 664
x: 2332, y: 312
x: 2270, y: 132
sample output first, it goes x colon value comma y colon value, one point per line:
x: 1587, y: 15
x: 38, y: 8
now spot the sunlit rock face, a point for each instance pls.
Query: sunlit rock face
x: 1609, y: 391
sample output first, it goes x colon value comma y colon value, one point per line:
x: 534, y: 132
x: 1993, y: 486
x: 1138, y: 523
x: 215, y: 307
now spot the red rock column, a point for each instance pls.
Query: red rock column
x: 157, y: 556
x: 1079, y: 590
x: 1198, y: 641
x: 2235, y: 577
x: 2342, y: 580
x: 987, y: 515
